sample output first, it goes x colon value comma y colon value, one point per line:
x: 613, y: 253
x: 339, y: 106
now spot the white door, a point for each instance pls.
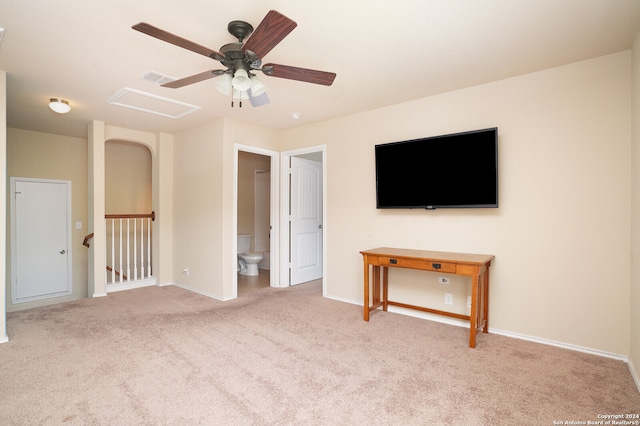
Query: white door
x: 40, y: 239
x: 306, y: 220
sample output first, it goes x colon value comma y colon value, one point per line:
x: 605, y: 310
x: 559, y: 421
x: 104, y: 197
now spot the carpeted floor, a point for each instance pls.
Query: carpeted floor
x: 166, y: 356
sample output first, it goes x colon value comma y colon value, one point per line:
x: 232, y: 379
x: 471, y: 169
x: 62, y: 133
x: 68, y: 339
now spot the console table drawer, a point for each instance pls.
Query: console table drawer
x: 417, y: 264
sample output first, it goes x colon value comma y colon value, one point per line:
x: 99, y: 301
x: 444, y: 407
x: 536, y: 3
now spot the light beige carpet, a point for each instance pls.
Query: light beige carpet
x: 166, y: 356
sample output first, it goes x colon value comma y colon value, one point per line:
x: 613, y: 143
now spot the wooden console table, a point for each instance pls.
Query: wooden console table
x: 475, y: 266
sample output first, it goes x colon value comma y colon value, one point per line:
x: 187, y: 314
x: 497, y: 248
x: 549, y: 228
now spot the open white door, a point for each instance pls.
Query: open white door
x: 40, y: 249
x: 306, y: 220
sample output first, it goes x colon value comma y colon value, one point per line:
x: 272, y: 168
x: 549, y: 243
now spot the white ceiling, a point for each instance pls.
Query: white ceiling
x: 383, y: 52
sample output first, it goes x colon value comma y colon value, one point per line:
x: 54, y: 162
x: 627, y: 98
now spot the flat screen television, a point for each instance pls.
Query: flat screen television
x: 458, y: 170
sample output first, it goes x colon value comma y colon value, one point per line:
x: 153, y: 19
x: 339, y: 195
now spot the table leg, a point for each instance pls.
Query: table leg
x: 376, y: 285
x: 485, y: 307
x: 385, y: 287
x: 473, y: 320
x: 366, y: 290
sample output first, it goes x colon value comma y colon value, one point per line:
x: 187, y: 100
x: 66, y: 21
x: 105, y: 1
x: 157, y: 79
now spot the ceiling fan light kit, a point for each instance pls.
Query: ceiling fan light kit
x: 60, y: 106
x: 241, y: 58
x: 224, y: 84
x: 257, y: 87
x: 241, y: 80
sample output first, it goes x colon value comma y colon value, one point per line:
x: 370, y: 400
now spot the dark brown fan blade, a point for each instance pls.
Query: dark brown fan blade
x: 148, y: 29
x: 193, y: 79
x: 300, y: 74
x: 271, y: 31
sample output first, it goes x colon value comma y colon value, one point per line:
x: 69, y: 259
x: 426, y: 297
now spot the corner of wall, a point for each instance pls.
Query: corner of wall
x: 3, y: 207
x: 634, y: 337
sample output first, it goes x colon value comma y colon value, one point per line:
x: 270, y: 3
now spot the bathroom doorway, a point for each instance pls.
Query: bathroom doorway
x: 256, y: 214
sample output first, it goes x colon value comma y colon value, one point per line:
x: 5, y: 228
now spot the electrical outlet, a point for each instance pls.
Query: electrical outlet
x: 443, y: 280
x: 448, y: 298
x: 469, y: 302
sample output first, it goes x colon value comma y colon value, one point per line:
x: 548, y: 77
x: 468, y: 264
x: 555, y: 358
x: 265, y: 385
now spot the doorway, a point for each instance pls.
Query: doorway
x: 256, y: 212
x: 40, y: 239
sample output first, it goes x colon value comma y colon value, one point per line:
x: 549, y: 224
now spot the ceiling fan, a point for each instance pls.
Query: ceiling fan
x: 242, y: 58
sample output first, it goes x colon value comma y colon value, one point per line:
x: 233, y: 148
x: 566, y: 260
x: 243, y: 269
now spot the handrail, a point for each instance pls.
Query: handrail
x: 110, y: 269
x: 151, y: 215
x: 86, y: 239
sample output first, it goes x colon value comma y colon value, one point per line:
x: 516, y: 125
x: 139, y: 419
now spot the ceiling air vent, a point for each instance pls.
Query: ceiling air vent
x: 156, y: 77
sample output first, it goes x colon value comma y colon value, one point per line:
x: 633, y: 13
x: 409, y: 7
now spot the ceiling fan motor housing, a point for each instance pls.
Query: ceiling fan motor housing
x: 234, y: 58
x: 240, y: 29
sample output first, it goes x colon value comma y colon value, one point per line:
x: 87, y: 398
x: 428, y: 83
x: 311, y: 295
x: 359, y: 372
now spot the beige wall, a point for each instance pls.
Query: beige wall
x: 127, y: 178
x: 634, y: 356
x: 561, y: 235
x: 198, y: 209
x: 47, y: 156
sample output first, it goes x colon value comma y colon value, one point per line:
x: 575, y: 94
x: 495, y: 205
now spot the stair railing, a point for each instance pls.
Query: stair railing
x: 128, y: 243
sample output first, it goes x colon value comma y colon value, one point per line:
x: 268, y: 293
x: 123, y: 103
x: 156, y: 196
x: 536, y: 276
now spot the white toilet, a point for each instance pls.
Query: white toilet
x: 247, y: 262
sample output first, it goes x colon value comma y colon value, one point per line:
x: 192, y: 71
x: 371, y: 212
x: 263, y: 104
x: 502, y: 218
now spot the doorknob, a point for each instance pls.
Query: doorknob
x: 320, y: 226
x: 63, y: 251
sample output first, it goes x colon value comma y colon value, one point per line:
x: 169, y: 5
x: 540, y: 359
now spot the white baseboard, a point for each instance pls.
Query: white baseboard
x: 634, y: 373
x: 4, y: 339
x: 128, y: 285
x: 203, y: 293
x: 99, y: 294
x: 563, y: 345
x: 462, y: 323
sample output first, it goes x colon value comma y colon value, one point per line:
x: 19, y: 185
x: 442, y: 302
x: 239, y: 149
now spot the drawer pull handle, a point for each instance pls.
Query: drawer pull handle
x: 393, y: 261
x: 436, y: 265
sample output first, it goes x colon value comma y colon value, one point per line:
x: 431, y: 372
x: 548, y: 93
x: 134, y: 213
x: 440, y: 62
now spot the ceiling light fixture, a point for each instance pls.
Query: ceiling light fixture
x: 257, y: 87
x: 241, y: 80
x: 243, y: 84
x: 224, y: 84
x: 60, y: 106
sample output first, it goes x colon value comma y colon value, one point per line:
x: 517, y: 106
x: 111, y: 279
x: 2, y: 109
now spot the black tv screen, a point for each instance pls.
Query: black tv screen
x: 457, y: 170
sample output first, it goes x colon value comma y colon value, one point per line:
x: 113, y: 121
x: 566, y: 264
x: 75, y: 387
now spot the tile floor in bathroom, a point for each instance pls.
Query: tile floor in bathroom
x: 249, y: 283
